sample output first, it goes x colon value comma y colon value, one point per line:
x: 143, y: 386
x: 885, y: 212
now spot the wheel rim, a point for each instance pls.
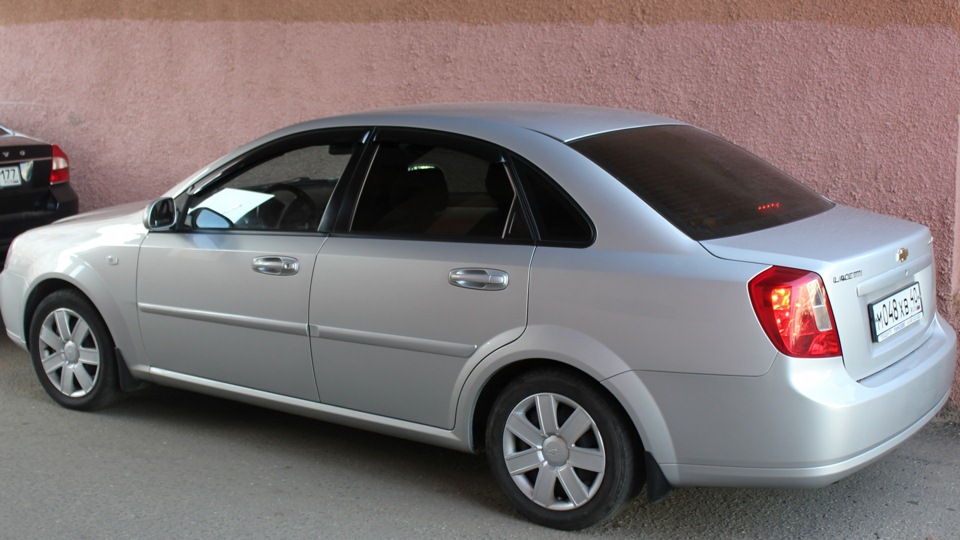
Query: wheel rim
x: 69, y: 353
x: 553, y: 451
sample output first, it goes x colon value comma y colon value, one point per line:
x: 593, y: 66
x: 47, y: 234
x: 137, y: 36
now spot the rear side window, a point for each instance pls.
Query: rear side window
x: 706, y: 186
x: 559, y: 220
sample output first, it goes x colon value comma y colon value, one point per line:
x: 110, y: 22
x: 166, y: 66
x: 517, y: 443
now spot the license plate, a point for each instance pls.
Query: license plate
x: 896, y: 312
x: 9, y: 176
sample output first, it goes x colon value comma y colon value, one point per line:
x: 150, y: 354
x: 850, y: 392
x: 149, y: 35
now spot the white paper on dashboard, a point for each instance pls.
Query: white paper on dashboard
x: 233, y: 204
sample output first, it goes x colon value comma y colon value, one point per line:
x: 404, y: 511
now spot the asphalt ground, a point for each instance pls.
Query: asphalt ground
x: 169, y: 464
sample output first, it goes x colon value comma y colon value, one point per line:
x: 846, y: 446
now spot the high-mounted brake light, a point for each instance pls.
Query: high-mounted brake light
x: 769, y: 208
x: 795, y: 313
x: 60, y: 168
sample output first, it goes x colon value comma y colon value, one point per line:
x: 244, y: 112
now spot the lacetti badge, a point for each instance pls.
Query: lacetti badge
x: 847, y: 277
x: 902, y: 255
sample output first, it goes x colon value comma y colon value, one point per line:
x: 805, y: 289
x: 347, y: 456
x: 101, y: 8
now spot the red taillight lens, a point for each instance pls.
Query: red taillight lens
x: 794, y: 311
x: 60, y: 171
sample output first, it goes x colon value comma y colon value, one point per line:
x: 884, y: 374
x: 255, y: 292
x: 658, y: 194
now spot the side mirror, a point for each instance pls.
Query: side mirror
x: 160, y: 215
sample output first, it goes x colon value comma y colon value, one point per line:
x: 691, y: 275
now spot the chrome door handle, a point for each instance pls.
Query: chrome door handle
x: 484, y: 279
x: 276, y: 266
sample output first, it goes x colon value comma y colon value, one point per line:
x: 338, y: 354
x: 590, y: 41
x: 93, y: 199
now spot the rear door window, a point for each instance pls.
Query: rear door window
x: 706, y: 186
x: 438, y: 186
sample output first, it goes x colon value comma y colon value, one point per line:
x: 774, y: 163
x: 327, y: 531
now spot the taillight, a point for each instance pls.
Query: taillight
x: 794, y: 311
x: 60, y: 171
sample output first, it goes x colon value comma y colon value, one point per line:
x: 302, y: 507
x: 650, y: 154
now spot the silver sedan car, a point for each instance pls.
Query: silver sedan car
x: 598, y: 299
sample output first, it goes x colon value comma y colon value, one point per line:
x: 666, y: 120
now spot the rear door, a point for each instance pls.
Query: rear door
x: 426, y: 275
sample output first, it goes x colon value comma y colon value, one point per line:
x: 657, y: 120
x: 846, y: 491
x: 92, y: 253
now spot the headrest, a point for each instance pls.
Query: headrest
x: 427, y: 187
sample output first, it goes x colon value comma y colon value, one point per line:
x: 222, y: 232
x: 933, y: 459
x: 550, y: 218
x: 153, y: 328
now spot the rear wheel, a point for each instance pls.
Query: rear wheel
x: 560, y: 451
x: 72, y: 352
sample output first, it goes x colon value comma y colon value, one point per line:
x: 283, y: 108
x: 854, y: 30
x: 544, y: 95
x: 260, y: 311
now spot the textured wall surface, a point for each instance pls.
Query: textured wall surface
x: 860, y: 100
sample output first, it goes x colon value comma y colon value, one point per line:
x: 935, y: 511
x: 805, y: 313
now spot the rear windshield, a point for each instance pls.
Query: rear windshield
x: 706, y: 186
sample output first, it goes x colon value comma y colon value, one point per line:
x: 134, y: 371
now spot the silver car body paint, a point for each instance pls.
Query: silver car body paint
x: 367, y: 332
x: 402, y: 367
x: 869, y: 249
x: 212, y: 316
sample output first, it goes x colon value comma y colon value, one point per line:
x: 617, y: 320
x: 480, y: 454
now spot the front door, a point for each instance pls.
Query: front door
x: 224, y: 297
x: 216, y: 316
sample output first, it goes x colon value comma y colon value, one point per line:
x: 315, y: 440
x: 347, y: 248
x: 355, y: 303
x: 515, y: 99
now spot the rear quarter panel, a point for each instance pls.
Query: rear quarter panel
x: 684, y: 313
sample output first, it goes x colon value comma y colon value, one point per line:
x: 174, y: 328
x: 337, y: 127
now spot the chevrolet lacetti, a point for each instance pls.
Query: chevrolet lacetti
x: 599, y: 299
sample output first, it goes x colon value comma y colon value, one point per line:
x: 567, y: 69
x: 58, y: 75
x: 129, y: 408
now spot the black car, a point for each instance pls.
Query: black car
x: 34, y: 185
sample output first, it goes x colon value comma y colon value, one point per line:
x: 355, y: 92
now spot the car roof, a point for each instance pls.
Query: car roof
x: 561, y: 121
x: 489, y: 120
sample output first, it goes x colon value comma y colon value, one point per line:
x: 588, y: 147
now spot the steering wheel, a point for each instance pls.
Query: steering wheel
x: 300, y: 201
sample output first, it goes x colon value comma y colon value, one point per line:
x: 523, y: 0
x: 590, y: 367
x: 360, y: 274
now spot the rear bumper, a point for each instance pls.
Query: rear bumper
x: 805, y: 423
x: 61, y: 202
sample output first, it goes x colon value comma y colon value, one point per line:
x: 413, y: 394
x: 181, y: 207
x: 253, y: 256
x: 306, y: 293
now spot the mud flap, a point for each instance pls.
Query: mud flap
x: 128, y: 383
x: 657, y: 485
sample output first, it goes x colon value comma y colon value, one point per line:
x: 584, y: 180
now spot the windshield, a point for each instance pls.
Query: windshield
x: 706, y: 186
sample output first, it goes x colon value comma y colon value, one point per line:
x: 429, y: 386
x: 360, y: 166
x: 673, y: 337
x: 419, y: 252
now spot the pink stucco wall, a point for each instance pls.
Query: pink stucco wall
x: 868, y: 115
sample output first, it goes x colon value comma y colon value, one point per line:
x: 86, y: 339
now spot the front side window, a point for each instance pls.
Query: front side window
x: 424, y: 188
x: 285, y: 192
x: 706, y: 186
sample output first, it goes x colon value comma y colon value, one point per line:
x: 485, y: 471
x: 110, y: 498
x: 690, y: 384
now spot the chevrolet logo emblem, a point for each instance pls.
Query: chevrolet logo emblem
x: 902, y: 254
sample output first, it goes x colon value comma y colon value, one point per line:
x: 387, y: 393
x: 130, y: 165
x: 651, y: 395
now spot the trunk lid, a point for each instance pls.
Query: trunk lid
x: 863, y: 258
x: 24, y: 173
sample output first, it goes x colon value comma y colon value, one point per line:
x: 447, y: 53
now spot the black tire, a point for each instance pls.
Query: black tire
x: 73, y: 353
x: 582, y: 481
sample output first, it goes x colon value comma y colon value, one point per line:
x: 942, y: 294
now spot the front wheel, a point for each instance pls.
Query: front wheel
x: 560, y: 451
x: 72, y: 352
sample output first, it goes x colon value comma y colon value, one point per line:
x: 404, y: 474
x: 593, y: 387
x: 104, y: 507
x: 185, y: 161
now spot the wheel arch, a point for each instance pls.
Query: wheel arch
x: 496, y: 382
x: 653, y: 442
x: 583, y: 356
x: 540, y: 346
x: 40, y: 291
x: 83, y: 372
x: 100, y: 294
